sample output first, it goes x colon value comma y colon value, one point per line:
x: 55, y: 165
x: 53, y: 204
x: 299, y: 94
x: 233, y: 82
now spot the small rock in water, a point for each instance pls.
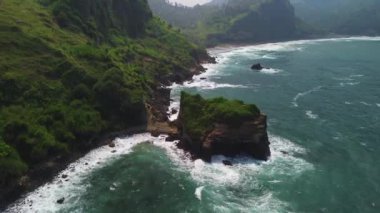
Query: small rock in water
x: 203, y: 78
x: 257, y: 67
x: 172, y: 137
x: 112, y: 144
x: 64, y: 176
x: 113, y: 151
x: 174, y: 111
x: 60, y: 201
x: 285, y: 152
x: 155, y: 134
x: 227, y: 163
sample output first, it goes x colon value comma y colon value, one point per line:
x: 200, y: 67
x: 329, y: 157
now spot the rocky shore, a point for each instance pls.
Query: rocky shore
x: 156, y: 123
x: 229, y: 136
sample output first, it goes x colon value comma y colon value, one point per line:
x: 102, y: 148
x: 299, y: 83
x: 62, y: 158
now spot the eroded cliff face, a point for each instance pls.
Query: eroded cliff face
x: 250, y: 138
x: 204, y: 131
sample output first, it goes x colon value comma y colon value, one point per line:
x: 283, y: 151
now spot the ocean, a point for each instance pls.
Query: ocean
x: 322, y: 99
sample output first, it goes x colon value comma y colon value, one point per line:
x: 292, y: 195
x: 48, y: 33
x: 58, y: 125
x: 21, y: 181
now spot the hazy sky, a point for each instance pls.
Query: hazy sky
x: 190, y: 2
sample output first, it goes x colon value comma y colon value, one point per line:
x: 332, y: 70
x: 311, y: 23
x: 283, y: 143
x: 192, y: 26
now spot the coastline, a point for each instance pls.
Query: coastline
x: 225, y: 47
x: 159, y: 104
x: 60, y: 164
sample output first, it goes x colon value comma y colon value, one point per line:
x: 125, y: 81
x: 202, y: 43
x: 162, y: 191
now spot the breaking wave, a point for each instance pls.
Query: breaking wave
x: 302, y: 94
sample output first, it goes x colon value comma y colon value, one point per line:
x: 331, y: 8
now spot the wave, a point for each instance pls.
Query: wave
x: 44, y: 199
x: 198, y: 192
x: 302, y: 94
x: 212, y: 175
x: 356, y: 76
x: 349, y: 81
x: 268, y: 56
x: 270, y: 71
x: 288, y: 46
x: 343, y: 84
x: 311, y: 115
x: 206, y: 85
x: 246, y: 175
x: 348, y: 103
x: 365, y: 103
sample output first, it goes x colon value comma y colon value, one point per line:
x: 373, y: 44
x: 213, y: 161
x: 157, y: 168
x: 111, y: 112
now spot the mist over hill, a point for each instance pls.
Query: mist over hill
x: 247, y: 21
x: 349, y: 17
x: 238, y: 21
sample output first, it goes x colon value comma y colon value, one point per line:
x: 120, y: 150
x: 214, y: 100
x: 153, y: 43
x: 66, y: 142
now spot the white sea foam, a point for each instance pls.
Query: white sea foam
x: 215, y: 174
x: 245, y: 172
x: 311, y: 115
x: 347, y: 103
x: 342, y: 84
x: 350, y: 80
x: 205, y: 85
x: 365, y: 103
x: 44, y: 199
x: 270, y: 71
x: 198, y: 192
x: 174, y: 105
x: 356, y: 76
x: 377, y: 104
x: 261, y: 50
x: 302, y: 94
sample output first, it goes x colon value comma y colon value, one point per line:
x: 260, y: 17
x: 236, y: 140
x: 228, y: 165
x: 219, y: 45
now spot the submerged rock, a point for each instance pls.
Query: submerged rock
x: 227, y: 163
x: 257, y: 67
x: 61, y: 200
x: 174, y: 111
x: 222, y: 127
x: 112, y: 144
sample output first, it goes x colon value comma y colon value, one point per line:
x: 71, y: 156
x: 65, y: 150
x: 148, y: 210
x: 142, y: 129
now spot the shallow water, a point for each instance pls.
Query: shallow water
x: 322, y: 98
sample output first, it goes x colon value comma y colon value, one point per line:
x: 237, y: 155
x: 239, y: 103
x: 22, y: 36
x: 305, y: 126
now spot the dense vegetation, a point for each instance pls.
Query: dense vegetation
x: 349, y: 17
x: 235, y: 21
x: 198, y: 115
x: 72, y: 70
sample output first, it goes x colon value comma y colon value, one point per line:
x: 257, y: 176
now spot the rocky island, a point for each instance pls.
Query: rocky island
x: 221, y: 126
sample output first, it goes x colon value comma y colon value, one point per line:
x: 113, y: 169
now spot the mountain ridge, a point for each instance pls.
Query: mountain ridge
x: 241, y: 21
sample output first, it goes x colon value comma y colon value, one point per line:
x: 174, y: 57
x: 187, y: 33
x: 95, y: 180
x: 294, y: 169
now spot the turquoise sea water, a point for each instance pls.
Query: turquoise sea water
x: 322, y: 98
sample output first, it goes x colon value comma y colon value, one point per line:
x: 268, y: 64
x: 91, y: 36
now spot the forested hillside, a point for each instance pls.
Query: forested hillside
x: 73, y: 70
x: 237, y: 21
x: 349, y: 17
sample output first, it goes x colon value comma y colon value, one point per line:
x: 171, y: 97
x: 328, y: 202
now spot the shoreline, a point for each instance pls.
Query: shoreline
x: 227, y: 46
x: 59, y: 164
x: 45, y: 172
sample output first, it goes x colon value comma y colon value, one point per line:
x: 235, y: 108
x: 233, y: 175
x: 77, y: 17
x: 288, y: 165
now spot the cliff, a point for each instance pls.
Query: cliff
x: 220, y: 126
x: 72, y: 71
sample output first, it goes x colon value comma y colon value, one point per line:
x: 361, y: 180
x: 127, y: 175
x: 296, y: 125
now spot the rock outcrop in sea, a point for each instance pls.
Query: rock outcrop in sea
x: 257, y: 67
x: 221, y: 127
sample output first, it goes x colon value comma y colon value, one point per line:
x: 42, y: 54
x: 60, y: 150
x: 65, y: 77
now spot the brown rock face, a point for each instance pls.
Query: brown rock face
x: 249, y: 138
